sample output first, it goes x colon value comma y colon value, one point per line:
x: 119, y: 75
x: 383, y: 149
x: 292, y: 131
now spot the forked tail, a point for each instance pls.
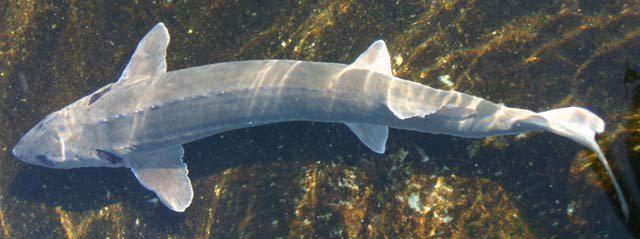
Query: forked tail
x: 580, y: 125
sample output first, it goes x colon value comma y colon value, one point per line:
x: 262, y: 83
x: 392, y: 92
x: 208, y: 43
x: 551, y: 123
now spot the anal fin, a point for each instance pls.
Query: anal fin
x: 164, y: 173
x: 373, y: 136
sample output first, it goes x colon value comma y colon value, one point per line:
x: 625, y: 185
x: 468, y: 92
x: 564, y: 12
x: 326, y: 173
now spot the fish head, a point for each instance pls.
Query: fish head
x: 58, y: 141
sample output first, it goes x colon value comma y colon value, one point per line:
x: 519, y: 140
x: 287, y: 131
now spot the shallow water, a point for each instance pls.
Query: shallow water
x: 301, y: 180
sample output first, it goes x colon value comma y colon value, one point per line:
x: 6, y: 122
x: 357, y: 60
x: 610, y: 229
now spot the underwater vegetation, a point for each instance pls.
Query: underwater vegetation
x: 301, y: 180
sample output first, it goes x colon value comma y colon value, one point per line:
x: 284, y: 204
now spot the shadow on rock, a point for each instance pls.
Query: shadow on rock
x: 73, y: 190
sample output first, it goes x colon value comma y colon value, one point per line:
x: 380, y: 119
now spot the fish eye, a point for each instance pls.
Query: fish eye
x: 45, y: 160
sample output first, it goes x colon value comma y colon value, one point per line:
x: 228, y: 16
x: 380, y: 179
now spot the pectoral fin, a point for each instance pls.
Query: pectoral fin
x: 373, y: 136
x: 164, y: 173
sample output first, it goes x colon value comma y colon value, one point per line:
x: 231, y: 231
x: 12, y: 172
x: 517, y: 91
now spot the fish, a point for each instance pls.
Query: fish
x: 142, y: 120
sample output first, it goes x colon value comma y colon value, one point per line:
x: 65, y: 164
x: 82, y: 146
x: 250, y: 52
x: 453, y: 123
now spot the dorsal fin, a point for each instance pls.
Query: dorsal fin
x: 375, y: 58
x: 149, y: 59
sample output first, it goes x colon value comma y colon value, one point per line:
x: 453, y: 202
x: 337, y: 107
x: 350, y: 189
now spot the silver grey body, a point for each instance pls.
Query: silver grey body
x: 142, y: 120
x: 197, y: 102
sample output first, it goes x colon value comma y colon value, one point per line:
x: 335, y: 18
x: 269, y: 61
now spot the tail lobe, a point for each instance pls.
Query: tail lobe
x: 579, y: 125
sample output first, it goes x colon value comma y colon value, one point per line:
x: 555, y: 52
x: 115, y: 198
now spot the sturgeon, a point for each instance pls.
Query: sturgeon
x: 142, y: 120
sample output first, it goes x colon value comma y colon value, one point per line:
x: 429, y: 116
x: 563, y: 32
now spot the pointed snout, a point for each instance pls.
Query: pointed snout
x: 17, y: 150
x: 20, y: 151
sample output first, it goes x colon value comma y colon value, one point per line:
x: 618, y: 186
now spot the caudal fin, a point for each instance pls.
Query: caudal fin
x: 580, y: 125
